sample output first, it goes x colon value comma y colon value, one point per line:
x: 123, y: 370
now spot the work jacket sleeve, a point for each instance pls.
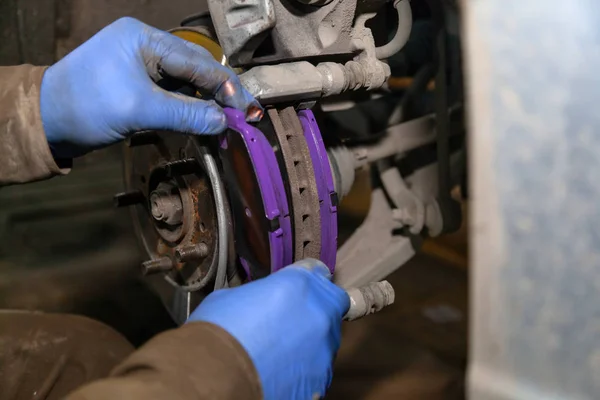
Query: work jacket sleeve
x: 24, y: 152
x: 197, y: 361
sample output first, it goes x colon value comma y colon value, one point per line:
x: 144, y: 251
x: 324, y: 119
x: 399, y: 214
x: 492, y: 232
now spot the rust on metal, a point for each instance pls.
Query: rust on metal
x: 256, y: 225
x: 145, y: 172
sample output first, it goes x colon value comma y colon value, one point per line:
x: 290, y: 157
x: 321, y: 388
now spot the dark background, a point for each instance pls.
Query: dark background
x: 42, y: 31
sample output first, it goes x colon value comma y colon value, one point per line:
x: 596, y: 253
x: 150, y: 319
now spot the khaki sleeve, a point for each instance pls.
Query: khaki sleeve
x: 24, y: 152
x: 197, y: 361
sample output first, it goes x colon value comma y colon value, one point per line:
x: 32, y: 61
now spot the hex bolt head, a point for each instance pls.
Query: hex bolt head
x: 166, y: 207
x: 191, y: 252
x: 156, y: 206
x: 163, y: 264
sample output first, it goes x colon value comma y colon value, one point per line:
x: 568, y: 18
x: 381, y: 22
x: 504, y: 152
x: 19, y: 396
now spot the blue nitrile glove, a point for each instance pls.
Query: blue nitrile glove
x: 290, y: 325
x: 105, y: 89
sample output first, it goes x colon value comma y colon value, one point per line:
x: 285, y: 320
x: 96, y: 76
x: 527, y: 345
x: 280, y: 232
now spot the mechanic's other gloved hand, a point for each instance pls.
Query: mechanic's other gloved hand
x: 105, y: 89
x: 290, y: 325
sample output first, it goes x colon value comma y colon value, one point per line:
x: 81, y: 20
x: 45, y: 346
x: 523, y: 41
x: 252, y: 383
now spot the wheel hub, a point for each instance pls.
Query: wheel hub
x: 280, y: 202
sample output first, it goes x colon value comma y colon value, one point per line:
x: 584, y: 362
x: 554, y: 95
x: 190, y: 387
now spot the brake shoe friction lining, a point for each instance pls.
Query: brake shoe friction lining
x: 301, y: 181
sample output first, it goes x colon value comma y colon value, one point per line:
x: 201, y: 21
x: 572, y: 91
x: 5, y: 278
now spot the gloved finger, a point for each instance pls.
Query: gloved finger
x: 187, y: 61
x: 173, y: 111
x: 319, y: 279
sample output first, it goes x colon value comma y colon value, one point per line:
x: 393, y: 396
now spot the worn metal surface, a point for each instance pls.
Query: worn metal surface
x: 157, y: 265
x: 369, y: 71
x: 271, y: 84
x: 153, y: 169
x: 242, y: 26
x: 534, y: 88
x: 166, y: 206
x: 369, y: 299
x: 224, y: 242
x: 382, y: 243
x: 402, y: 32
x: 303, y: 194
x: 343, y: 169
x: 375, y: 249
x: 409, y: 209
x: 296, y: 81
x: 259, y: 31
x: 399, y: 138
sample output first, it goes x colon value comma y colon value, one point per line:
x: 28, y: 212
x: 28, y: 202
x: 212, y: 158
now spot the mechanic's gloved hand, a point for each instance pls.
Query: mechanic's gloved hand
x: 105, y: 89
x: 290, y: 325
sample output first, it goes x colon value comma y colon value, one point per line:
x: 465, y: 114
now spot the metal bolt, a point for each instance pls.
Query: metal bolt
x: 181, y: 167
x: 191, y: 252
x: 166, y: 207
x: 128, y: 198
x: 162, y: 264
x: 369, y: 299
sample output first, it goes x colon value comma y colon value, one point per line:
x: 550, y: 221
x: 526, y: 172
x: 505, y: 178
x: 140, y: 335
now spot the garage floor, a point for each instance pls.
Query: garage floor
x: 415, y: 349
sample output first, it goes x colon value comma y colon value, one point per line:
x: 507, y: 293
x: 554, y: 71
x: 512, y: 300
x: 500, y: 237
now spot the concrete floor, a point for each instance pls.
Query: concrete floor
x: 415, y: 349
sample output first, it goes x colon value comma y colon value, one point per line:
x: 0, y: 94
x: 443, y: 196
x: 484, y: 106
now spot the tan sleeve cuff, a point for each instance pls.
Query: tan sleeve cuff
x: 25, y: 154
x: 197, y: 361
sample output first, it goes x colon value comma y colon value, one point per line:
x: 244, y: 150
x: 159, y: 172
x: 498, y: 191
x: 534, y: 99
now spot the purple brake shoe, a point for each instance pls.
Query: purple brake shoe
x: 265, y: 205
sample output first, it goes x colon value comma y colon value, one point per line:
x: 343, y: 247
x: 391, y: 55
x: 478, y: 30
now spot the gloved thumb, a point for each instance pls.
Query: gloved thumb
x: 177, y: 112
x: 314, y: 265
x: 337, y: 296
